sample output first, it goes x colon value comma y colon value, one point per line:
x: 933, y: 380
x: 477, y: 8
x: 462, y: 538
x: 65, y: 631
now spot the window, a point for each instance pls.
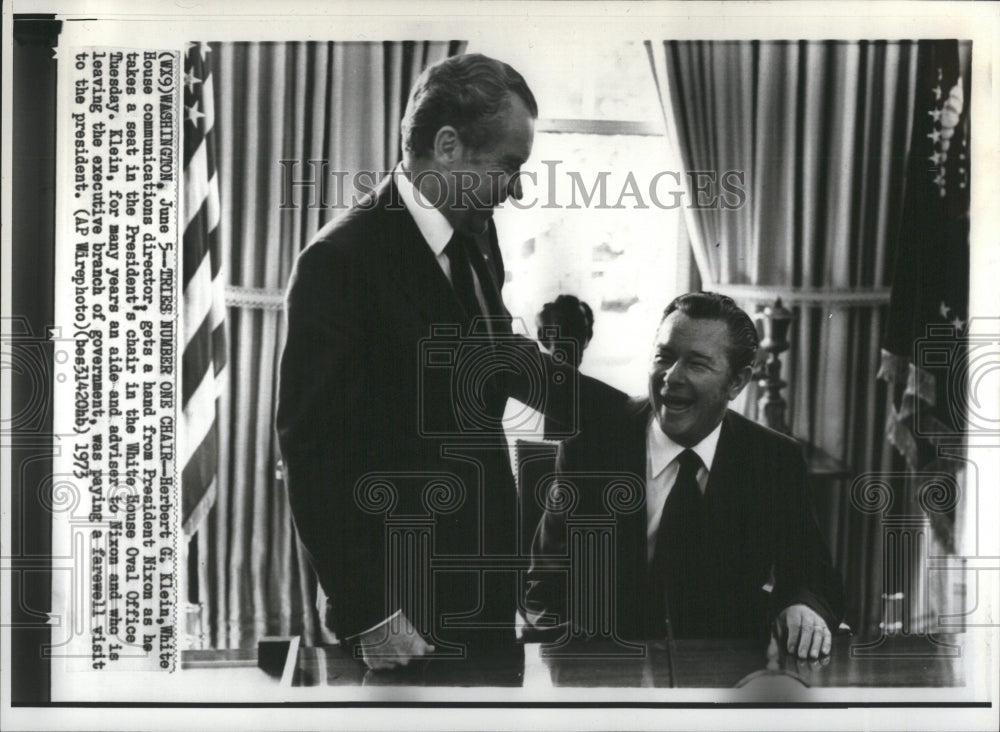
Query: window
x: 601, y: 210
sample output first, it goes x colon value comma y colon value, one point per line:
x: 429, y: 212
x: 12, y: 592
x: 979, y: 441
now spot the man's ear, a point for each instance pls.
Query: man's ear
x: 447, y: 145
x: 739, y: 381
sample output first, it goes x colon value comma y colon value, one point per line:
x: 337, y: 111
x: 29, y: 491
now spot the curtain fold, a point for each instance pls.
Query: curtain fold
x: 297, y: 123
x: 820, y: 130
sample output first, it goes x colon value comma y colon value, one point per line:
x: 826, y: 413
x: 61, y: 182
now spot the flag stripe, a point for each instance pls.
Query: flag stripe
x: 196, y: 195
x: 219, y: 352
x: 200, y: 468
x: 199, y: 510
x: 197, y: 299
x: 200, y: 240
x: 205, y: 354
x: 197, y: 360
x: 202, y: 298
x: 199, y: 415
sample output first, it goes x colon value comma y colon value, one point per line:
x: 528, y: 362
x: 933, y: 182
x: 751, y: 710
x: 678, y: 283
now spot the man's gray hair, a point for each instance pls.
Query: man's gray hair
x: 468, y: 92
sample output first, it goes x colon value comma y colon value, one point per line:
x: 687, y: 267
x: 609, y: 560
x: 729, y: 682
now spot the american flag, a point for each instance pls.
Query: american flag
x: 930, y: 290
x: 925, y: 355
x: 204, y: 359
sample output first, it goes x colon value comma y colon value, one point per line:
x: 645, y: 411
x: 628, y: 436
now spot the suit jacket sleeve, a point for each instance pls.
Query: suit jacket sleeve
x: 320, y: 405
x: 556, y: 390
x: 803, y: 570
x: 546, y: 585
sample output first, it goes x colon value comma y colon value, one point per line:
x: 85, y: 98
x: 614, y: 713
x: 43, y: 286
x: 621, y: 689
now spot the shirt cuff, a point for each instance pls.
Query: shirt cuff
x: 374, y: 627
x: 542, y: 620
x: 533, y: 616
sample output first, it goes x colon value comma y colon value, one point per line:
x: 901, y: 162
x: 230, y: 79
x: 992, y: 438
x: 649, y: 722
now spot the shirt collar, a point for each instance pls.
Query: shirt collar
x: 662, y: 450
x: 432, y: 224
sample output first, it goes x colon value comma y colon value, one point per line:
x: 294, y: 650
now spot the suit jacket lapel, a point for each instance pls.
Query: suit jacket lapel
x: 634, y: 455
x: 412, y: 264
x: 486, y: 270
x: 633, y: 591
x: 633, y: 525
x: 724, y: 480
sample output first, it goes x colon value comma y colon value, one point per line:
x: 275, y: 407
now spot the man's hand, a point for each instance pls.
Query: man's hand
x: 392, y: 644
x: 802, y: 632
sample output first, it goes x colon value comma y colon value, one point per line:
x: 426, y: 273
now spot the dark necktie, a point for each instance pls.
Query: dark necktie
x: 457, y: 252
x: 676, y: 576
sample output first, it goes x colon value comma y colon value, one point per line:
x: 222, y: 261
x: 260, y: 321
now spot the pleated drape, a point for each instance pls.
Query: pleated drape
x: 278, y: 107
x: 819, y: 131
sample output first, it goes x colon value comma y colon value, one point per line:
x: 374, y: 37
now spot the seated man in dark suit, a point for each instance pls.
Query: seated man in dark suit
x: 724, y: 543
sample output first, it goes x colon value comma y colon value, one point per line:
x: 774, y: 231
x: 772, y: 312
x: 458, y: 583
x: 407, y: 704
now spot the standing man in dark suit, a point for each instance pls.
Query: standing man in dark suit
x: 398, y: 364
x: 722, y: 542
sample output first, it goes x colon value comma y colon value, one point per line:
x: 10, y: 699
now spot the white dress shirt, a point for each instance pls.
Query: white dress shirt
x: 661, y: 473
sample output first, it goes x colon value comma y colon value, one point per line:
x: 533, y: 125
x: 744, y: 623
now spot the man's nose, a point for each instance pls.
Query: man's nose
x: 514, y: 187
x: 676, y: 374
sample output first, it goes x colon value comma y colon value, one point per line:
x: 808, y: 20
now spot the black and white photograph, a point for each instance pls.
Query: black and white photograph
x: 488, y: 364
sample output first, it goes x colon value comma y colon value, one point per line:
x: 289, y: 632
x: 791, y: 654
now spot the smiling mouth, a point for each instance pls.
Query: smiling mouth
x: 675, y: 403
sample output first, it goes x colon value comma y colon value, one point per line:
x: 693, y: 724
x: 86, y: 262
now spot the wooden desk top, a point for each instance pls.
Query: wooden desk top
x: 715, y: 664
x: 897, y: 662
